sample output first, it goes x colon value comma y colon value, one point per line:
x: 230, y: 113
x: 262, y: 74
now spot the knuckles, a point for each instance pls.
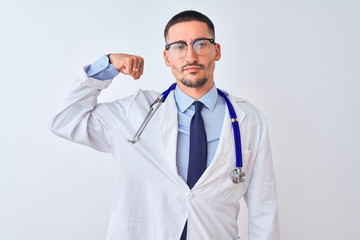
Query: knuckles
x: 126, y: 63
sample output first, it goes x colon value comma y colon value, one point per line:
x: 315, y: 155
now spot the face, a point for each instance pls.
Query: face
x: 192, y: 71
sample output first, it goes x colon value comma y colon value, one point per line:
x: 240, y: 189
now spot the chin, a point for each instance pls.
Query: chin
x: 199, y: 82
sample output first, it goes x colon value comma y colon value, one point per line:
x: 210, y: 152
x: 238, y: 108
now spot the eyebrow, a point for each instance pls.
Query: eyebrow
x: 182, y: 41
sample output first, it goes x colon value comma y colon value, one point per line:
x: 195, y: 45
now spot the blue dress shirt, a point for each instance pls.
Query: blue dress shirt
x: 213, y: 114
x: 102, y: 69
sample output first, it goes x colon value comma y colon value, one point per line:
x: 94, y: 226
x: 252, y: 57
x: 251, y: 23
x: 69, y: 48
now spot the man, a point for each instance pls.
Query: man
x: 174, y: 182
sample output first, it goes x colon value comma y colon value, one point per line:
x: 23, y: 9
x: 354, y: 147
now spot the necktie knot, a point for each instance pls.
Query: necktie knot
x: 198, y: 106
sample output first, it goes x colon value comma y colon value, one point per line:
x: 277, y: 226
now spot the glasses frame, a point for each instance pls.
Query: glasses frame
x: 212, y: 41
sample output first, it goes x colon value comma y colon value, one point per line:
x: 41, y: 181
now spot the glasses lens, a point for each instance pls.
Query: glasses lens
x: 202, y: 47
x: 178, y: 50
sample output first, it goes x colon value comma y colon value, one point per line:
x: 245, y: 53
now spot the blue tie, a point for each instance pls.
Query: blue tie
x: 197, y: 152
x: 198, y: 147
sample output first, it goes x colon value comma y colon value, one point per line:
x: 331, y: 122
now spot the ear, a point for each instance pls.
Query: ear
x: 217, y: 52
x: 166, y: 58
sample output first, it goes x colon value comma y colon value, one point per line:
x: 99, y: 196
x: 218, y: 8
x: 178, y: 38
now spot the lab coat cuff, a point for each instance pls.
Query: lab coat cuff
x: 93, y: 82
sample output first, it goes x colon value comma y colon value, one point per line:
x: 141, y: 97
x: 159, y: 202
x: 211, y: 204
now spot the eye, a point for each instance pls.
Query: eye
x: 178, y: 46
x: 201, y: 43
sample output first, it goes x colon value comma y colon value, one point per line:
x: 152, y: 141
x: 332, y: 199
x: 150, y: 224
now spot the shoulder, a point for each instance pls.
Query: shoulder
x: 247, y: 109
x: 242, y: 103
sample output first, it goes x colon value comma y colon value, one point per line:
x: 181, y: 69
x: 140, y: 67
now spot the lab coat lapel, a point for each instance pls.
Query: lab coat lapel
x: 168, y: 120
x: 224, y: 151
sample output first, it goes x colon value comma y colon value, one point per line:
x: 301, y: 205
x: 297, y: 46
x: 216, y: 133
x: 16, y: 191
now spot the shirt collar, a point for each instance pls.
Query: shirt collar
x: 184, y: 101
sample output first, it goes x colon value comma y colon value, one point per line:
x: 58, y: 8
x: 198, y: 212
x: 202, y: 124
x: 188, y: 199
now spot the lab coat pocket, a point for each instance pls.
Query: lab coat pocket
x: 129, y: 228
x: 246, y: 157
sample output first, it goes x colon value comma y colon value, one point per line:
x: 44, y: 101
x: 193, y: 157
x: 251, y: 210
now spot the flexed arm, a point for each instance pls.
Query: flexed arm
x: 80, y: 118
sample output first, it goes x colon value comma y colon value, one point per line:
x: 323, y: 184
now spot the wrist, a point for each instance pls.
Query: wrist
x: 108, y: 56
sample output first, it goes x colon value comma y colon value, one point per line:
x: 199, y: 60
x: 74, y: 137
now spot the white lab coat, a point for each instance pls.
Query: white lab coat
x: 151, y: 201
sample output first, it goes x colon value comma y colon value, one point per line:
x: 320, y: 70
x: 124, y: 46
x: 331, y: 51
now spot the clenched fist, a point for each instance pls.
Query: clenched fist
x: 128, y: 64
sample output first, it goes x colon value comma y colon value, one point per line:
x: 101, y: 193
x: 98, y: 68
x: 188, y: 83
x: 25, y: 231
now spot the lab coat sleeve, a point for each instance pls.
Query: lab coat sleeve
x: 80, y: 118
x: 261, y: 196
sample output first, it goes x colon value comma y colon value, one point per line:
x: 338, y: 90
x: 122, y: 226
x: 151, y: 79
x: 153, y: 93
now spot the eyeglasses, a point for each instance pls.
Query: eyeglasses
x: 179, y: 49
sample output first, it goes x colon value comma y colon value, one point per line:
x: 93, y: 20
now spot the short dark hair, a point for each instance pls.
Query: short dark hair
x: 187, y: 16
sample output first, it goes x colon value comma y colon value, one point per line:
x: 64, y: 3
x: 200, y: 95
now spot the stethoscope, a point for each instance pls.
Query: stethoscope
x: 236, y: 175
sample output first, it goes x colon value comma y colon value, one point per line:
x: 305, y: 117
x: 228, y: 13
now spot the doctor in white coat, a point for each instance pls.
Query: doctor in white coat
x: 160, y: 205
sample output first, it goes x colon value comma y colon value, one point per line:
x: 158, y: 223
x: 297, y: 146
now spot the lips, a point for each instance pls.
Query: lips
x: 192, y: 67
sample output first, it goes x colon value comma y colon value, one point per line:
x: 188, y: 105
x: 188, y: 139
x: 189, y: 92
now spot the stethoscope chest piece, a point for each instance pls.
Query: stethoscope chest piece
x: 237, y: 176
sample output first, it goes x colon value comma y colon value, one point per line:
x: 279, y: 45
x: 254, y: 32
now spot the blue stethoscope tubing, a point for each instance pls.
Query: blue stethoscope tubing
x: 236, y: 129
x: 236, y: 175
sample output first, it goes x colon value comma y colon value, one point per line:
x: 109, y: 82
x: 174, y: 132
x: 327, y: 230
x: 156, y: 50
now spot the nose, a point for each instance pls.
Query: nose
x: 191, y: 55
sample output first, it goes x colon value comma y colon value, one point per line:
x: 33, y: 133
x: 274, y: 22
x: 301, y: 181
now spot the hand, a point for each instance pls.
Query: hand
x: 128, y: 64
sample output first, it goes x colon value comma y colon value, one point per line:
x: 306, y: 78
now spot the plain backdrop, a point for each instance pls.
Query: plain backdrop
x: 297, y: 61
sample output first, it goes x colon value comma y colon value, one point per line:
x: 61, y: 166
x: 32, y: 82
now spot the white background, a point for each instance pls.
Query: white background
x: 297, y: 61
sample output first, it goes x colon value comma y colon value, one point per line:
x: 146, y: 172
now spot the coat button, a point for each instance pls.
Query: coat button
x: 190, y: 195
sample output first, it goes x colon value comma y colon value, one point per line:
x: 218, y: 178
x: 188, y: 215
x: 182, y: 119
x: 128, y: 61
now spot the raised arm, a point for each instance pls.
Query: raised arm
x: 80, y: 118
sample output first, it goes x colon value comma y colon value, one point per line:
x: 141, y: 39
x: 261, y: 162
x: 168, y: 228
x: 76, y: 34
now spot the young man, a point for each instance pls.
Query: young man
x: 174, y: 183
